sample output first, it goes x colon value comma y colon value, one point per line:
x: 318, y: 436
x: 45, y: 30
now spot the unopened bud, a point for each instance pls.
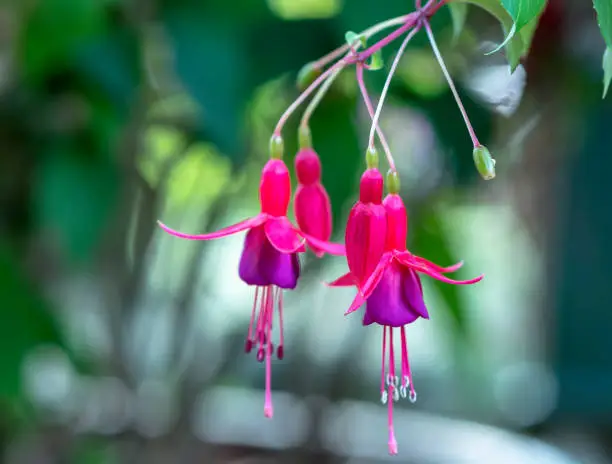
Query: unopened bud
x: 277, y: 147
x: 307, y: 75
x: 485, y: 164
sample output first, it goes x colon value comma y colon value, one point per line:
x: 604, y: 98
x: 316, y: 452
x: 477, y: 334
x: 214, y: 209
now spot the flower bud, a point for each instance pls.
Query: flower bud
x: 485, y: 164
x: 311, y: 204
x: 307, y: 75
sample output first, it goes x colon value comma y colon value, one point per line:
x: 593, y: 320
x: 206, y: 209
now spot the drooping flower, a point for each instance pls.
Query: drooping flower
x: 311, y: 204
x: 269, y: 262
x: 366, y: 228
x: 393, y: 295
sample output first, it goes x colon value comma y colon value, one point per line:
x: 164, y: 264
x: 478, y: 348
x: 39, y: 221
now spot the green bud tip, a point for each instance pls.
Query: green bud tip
x: 305, y: 137
x: 393, y: 182
x: 372, y: 158
x: 485, y: 164
x: 277, y: 147
x: 307, y: 75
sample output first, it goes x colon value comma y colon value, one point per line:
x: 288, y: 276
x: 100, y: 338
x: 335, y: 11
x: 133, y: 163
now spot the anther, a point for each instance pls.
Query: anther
x: 248, y: 346
x: 413, y: 397
x: 396, y: 395
x: 260, y: 355
x: 384, y: 396
x: 280, y: 352
x: 403, y: 392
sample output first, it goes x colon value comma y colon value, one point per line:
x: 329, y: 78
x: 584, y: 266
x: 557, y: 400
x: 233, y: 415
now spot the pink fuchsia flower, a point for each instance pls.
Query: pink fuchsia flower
x: 311, y: 204
x: 269, y: 262
x: 366, y: 229
x: 393, y: 295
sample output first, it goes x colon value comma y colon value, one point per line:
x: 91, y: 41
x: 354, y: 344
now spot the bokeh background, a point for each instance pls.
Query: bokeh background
x: 121, y: 344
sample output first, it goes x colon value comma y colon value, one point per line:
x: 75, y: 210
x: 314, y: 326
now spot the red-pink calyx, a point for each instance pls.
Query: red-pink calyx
x: 307, y: 167
x: 371, y: 187
x: 397, y: 222
x: 275, y: 188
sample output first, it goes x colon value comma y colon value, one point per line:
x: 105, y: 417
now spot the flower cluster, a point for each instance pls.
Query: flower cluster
x: 385, y: 274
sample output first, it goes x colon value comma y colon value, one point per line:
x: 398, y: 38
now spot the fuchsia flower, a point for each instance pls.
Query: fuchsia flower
x: 311, y: 203
x: 366, y: 230
x: 394, y: 298
x: 269, y: 261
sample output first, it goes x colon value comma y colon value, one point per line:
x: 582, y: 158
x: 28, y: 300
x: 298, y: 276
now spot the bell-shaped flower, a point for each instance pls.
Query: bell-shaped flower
x: 269, y: 262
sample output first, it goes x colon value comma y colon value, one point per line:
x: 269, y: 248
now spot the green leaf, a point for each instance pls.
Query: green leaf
x: 513, y: 42
x: 376, y: 61
x: 604, y: 18
x: 527, y: 34
x: 74, y: 196
x: 524, y: 11
x: 607, y: 66
x: 458, y: 13
x: 355, y: 40
x: 210, y: 62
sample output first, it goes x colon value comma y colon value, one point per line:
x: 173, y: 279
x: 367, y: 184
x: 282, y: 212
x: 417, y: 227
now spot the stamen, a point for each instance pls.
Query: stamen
x: 280, y: 353
x: 268, y: 409
x: 406, y: 372
x: 382, y: 373
x: 392, y: 440
x: 249, y: 343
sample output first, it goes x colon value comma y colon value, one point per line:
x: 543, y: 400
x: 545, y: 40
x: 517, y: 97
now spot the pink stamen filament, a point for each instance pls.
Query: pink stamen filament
x: 392, y: 386
x: 384, y: 358
x: 280, y: 319
x: 368, y: 103
x: 252, y: 322
x: 406, y: 372
x: 451, y: 84
x: 269, y: 314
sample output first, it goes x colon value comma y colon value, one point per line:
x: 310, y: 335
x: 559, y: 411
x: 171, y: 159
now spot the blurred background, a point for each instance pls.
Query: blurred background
x: 121, y: 344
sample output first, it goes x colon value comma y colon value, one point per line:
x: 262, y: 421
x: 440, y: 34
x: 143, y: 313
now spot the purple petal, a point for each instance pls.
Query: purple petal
x: 261, y: 264
x: 388, y: 305
x: 413, y: 293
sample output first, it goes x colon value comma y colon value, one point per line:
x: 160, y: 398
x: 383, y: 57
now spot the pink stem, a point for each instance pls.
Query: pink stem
x: 451, y: 84
x: 368, y: 103
x: 304, y: 95
x: 410, y: 22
